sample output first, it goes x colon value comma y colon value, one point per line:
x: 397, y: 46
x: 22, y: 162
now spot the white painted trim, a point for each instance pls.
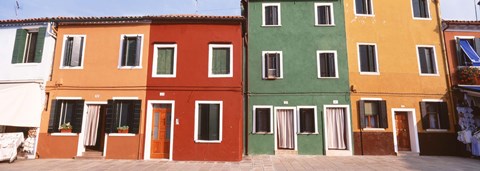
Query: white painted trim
x: 148, y: 127
x: 314, y: 116
x: 420, y: 18
x: 68, y: 98
x: 155, y: 61
x: 121, y: 134
x: 220, y: 131
x: 332, y: 17
x: 125, y: 98
x: 83, y: 51
x: 105, y: 145
x: 254, y: 116
x: 63, y: 134
x: 349, y: 151
x: 294, y: 126
x: 210, y: 60
x: 279, y: 14
x: 412, y: 126
x: 432, y: 100
x: 263, y: 63
x: 377, y: 72
x: 319, y: 66
x: 371, y: 99
x: 363, y: 15
x: 140, y: 54
x: 434, y: 57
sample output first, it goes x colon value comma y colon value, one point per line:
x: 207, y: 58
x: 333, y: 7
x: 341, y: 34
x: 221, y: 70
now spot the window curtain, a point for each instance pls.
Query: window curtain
x: 335, y: 118
x: 93, y: 115
x: 285, y: 129
x: 271, y: 15
x: 221, y: 61
x: 165, y: 61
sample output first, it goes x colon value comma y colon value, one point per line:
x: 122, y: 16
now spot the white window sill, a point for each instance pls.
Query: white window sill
x: 164, y: 76
x: 271, y: 25
x: 365, y: 15
x: 369, y: 73
x: 121, y: 135
x: 420, y: 18
x: 64, y: 134
x: 262, y: 133
x: 220, y: 76
x: 324, y: 25
x: 26, y: 64
x: 206, y: 141
x: 81, y: 67
x: 373, y: 129
x: 129, y: 67
x: 277, y: 78
x: 308, y: 133
x: 436, y: 130
x: 430, y: 75
x: 327, y: 77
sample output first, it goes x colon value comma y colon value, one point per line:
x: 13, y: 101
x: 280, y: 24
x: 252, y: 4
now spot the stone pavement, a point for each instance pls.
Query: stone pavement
x: 261, y: 162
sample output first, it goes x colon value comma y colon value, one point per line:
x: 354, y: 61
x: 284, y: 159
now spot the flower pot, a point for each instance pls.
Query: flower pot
x: 122, y: 130
x: 66, y: 131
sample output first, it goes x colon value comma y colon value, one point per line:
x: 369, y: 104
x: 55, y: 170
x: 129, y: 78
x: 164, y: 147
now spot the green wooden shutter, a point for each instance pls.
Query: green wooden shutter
x: 53, y: 120
x: 77, y: 118
x: 361, y: 111
x: 443, y: 115
x: 40, y: 43
x: 165, y: 61
x: 383, y: 114
x: 219, y: 61
x: 19, y: 48
x: 423, y: 109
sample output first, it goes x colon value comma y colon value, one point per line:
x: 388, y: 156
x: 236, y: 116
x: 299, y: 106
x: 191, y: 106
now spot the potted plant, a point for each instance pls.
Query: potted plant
x: 65, y: 128
x: 122, y: 129
x: 469, y: 75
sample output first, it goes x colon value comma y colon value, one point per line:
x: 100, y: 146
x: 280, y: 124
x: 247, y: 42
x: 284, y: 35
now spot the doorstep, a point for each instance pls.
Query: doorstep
x: 282, y: 152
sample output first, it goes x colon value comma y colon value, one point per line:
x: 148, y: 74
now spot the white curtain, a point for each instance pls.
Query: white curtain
x: 285, y: 131
x: 93, y: 114
x: 336, y: 128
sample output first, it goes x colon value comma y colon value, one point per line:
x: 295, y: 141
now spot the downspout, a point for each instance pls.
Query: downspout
x: 245, y: 76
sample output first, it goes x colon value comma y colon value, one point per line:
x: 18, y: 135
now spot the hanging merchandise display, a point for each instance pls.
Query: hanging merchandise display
x: 469, y: 123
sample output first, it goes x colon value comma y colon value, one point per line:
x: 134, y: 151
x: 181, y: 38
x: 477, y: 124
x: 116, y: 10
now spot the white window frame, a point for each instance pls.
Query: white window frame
x: 377, y: 72
x: 140, y: 54
x: 319, y: 75
x: 83, y: 51
x: 363, y: 15
x: 279, y: 14
x: 210, y: 60
x: 372, y: 99
x: 314, y: 115
x: 254, y: 116
x: 332, y: 17
x: 220, y: 131
x: 420, y: 18
x: 155, y: 59
x: 435, y: 59
x: 263, y: 64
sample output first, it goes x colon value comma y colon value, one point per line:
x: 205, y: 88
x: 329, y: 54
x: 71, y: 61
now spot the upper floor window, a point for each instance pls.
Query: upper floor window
x: 73, y: 50
x: 131, y: 50
x: 164, y: 60
x: 272, y: 65
x: 420, y: 9
x: 434, y: 115
x: 327, y: 64
x: 468, y: 49
x: 367, y: 54
x: 271, y: 14
x: 28, y: 45
x: 324, y: 14
x: 373, y: 113
x: 220, y: 60
x: 427, y: 60
x: 363, y: 7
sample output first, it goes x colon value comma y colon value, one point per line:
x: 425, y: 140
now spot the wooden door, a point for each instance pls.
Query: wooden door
x: 403, y: 133
x: 160, y: 136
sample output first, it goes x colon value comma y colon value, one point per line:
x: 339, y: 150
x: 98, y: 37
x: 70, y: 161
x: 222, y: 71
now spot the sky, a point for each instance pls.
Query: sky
x: 450, y: 9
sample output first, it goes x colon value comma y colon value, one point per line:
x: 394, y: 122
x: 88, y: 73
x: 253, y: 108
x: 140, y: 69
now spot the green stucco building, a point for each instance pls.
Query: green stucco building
x: 297, y: 78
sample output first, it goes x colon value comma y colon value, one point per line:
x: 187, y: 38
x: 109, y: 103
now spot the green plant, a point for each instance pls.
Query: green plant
x: 468, y: 75
x: 66, y: 126
x: 122, y: 127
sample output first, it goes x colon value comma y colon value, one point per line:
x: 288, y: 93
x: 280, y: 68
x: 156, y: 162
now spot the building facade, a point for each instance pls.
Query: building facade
x: 297, y: 78
x: 400, y: 99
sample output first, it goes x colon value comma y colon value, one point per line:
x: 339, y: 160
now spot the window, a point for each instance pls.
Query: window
x: 220, y: 60
x: 271, y: 14
x: 208, y: 121
x: 307, y: 120
x: 363, y: 7
x: 427, y: 60
x: 368, y: 58
x: 164, y: 60
x: 324, y: 14
x: 327, y: 64
x: 262, y: 119
x: 28, y: 46
x: 131, y: 50
x: 73, y: 49
x: 462, y: 58
x: 66, y: 111
x: 434, y: 115
x: 420, y: 9
x: 373, y: 113
x: 272, y: 65
x: 123, y: 113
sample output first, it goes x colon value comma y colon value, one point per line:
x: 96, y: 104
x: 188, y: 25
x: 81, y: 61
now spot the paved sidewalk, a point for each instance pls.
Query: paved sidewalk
x: 266, y: 163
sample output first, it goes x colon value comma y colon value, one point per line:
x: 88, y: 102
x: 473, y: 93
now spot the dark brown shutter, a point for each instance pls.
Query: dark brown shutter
x: 266, y: 65
x: 134, y: 117
x: 423, y: 110
x: 444, y: 119
x: 383, y: 114
x: 124, y: 51
x: 277, y: 65
x: 110, y: 118
x: 361, y: 112
x: 77, y: 117
x: 54, y: 116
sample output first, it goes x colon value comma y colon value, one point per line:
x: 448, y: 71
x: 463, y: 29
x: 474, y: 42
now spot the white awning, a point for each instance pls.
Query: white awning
x: 21, y: 105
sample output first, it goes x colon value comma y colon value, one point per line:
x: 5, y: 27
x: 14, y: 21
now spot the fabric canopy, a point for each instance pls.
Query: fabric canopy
x: 472, y: 90
x: 471, y: 53
x: 21, y: 104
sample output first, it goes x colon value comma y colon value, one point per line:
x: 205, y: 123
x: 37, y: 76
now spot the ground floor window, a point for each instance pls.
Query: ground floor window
x: 307, y: 120
x: 434, y: 115
x: 123, y: 115
x: 262, y: 119
x: 66, y: 115
x: 208, y: 121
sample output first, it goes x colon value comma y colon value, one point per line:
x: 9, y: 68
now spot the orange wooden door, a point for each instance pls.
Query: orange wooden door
x: 160, y: 137
x: 403, y: 133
